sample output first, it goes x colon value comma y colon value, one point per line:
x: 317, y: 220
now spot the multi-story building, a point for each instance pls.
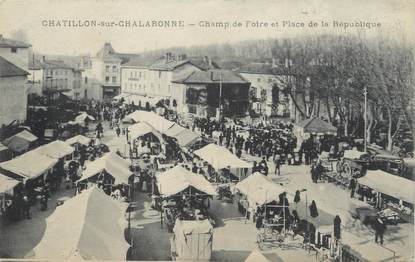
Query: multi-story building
x: 35, y: 81
x: 16, y: 52
x: 268, y: 85
x: 143, y: 81
x: 102, y: 73
x: 13, y: 95
x: 60, y: 78
x: 212, y: 93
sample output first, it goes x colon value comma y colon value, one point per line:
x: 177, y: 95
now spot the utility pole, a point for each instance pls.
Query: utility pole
x: 220, y: 96
x: 365, y: 117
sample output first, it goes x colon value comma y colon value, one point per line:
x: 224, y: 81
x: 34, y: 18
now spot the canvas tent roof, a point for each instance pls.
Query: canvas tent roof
x: 177, y: 179
x: 353, y: 154
x: 3, y: 147
x: 316, y: 125
x: 136, y: 99
x: 56, y: 149
x: 259, y: 189
x: 395, y: 186
x: 7, y: 183
x: 142, y: 128
x: 157, y: 122
x: 29, y: 165
x: 79, y: 139
x: 186, y: 137
x: 20, y: 141
x: 112, y: 163
x: 174, y: 130
x: 89, y: 226
x: 257, y: 256
x: 82, y: 117
x: 220, y: 157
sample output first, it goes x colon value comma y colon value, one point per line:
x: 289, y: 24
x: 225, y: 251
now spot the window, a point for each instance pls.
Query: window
x: 114, y: 79
x: 14, y: 50
x: 107, y: 79
x: 159, y: 74
x: 135, y: 74
x: 86, y: 80
x: 259, y: 80
x: 140, y: 74
x: 107, y: 68
x: 131, y: 74
x: 114, y: 69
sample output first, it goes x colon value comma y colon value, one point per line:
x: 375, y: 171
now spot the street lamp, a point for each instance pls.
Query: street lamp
x: 306, y: 216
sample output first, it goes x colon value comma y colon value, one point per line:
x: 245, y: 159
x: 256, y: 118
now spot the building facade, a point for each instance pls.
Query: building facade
x: 102, y: 73
x: 16, y: 52
x: 13, y: 93
x: 268, y: 86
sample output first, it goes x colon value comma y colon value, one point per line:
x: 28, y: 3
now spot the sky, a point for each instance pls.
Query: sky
x: 24, y: 19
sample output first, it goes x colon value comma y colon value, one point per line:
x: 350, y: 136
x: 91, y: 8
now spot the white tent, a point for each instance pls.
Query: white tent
x: 177, y: 179
x: 353, y: 154
x: 259, y: 189
x: 395, y: 186
x: 157, y: 122
x: 90, y: 226
x: 83, y: 117
x: 256, y: 256
x: 136, y: 99
x: 20, y: 141
x: 29, y: 165
x: 111, y: 163
x: 220, y: 157
x: 141, y: 129
x: 56, y: 149
x: 79, y: 139
x: 7, y: 183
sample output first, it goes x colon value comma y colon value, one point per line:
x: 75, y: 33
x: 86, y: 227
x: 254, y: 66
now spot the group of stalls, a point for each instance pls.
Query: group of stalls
x: 89, y: 226
x: 77, y: 126
x: 184, y: 201
x: 109, y: 172
x: 313, y: 128
x: 34, y: 168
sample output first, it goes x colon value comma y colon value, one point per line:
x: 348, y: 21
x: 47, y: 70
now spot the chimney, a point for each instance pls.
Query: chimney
x: 207, y: 60
x: 211, y: 76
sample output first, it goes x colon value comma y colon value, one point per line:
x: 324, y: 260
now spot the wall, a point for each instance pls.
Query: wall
x: 20, y: 58
x: 13, y: 99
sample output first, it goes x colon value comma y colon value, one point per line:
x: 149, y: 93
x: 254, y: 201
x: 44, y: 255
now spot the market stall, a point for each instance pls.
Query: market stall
x: 7, y: 184
x: 312, y: 126
x: 192, y: 240
x: 5, y: 153
x: 159, y: 123
x: 56, y: 149
x: 110, y: 168
x: 90, y: 226
x: 78, y: 140
x: 185, y: 195
x: 221, y: 158
x: 398, y: 191
x: 30, y: 165
x: 20, y: 142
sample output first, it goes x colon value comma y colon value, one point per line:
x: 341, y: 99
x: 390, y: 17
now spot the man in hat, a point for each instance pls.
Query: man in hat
x: 380, y: 229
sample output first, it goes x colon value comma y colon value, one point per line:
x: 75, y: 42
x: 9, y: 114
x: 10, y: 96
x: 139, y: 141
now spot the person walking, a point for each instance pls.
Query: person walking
x: 277, y: 164
x: 380, y: 229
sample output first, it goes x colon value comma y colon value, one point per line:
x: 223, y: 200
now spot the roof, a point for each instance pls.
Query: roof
x: 7, y: 183
x: 141, y: 129
x: 220, y: 157
x: 55, y: 64
x: 392, y: 185
x: 139, y: 62
x: 157, y: 122
x: 56, y: 149
x: 213, y: 77
x: 90, y: 226
x: 108, y: 52
x: 8, y: 69
x: 29, y: 165
x: 256, y: 68
x: 113, y: 164
x: 230, y: 65
x: 5, y: 42
x: 198, y: 61
x: 178, y: 179
x: 20, y: 141
x: 316, y: 125
x: 79, y: 139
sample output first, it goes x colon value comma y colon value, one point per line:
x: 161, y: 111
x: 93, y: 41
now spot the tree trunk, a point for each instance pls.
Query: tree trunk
x: 390, y: 139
